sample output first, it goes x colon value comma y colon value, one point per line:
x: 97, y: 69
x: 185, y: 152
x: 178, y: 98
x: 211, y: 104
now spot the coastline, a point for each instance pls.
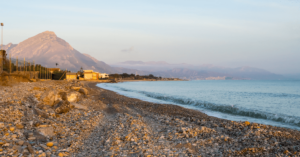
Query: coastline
x: 148, y: 80
x: 246, y: 138
x: 77, y: 118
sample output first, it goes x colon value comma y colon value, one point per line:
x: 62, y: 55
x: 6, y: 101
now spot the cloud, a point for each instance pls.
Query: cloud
x: 129, y: 50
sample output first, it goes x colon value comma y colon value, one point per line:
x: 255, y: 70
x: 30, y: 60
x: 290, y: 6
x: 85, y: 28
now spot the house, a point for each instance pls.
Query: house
x: 96, y: 75
x: 103, y: 75
x: 71, y: 76
x: 88, y: 74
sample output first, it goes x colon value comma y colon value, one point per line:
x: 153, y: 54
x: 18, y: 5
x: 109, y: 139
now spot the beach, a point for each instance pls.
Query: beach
x: 72, y: 118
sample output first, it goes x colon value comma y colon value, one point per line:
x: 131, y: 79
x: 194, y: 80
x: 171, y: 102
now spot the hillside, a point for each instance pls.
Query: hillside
x: 48, y: 49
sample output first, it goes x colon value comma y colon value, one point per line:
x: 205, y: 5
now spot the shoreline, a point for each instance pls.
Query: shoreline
x: 94, y: 85
x: 77, y: 118
x: 237, y: 131
x: 251, y: 119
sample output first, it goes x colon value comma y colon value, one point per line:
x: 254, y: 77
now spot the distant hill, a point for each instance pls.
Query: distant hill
x: 189, y: 71
x: 48, y: 49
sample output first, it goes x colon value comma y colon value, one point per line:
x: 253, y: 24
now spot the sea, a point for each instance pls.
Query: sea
x: 268, y: 102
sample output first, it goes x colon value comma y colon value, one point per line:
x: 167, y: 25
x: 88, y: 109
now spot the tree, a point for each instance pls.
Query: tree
x: 151, y: 76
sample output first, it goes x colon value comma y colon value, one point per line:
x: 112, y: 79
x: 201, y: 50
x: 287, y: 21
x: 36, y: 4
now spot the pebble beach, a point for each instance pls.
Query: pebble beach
x: 72, y: 118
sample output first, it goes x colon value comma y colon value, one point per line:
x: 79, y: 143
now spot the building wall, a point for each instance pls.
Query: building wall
x: 71, y: 77
x: 103, y: 75
x: 95, y: 76
x: 88, y: 76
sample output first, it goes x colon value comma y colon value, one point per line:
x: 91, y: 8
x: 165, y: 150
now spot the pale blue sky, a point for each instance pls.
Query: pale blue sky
x: 258, y: 33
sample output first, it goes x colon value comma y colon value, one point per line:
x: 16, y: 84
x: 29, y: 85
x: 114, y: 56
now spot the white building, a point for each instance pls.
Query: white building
x: 103, y: 75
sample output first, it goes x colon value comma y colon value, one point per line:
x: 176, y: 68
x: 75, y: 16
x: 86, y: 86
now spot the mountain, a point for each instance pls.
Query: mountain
x: 189, y: 71
x: 48, y: 49
x: 9, y: 46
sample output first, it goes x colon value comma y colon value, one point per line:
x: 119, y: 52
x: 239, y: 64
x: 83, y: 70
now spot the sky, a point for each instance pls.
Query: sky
x: 232, y: 33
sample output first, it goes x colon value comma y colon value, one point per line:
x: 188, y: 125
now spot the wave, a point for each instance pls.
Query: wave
x: 267, y: 94
x: 227, y: 109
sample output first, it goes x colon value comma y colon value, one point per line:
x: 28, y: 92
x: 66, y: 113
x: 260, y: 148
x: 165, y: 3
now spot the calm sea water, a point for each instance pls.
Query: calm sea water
x: 268, y: 102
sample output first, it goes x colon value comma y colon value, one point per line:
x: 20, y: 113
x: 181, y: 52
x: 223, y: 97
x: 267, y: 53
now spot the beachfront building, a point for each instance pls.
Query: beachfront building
x: 88, y: 74
x: 103, y: 75
x: 96, y: 75
x: 92, y: 75
x: 71, y: 76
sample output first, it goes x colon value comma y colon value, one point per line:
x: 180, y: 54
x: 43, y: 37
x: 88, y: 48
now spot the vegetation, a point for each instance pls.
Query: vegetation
x: 126, y: 76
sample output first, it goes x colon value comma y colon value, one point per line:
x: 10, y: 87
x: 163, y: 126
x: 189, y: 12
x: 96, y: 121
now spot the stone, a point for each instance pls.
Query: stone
x: 47, y: 131
x: 12, y: 129
x: 31, y: 138
x: 50, y: 144
x: 20, y: 142
x: 63, y: 107
x: 48, y: 98
x: 83, y: 91
x: 2, y: 143
x: 1, y: 125
x: 247, y: 123
x: 14, y: 136
x: 41, y: 113
x: 75, y: 88
x: 73, y: 96
x: 20, y: 126
x: 80, y: 107
x: 29, y: 147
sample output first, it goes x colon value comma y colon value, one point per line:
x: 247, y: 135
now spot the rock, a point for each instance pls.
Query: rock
x: 83, y: 91
x: 247, y: 123
x: 31, y: 138
x: 1, y: 125
x: 12, y: 129
x: 29, y: 147
x: 14, y: 136
x: 80, y: 107
x: 48, y: 98
x: 41, y: 113
x: 76, y: 88
x: 39, y: 137
x: 50, y: 144
x: 63, y: 107
x: 2, y: 143
x: 20, y: 126
x: 20, y: 142
x: 47, y: 131
x: 73, y: 96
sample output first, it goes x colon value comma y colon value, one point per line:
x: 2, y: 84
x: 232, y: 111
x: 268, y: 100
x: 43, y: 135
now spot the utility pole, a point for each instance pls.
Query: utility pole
x: 25, y: 69
x: 34, y: 70
x: 29, y: 70
x: 2, y: 52
x: 17, y: 64
x: 9, y: 63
